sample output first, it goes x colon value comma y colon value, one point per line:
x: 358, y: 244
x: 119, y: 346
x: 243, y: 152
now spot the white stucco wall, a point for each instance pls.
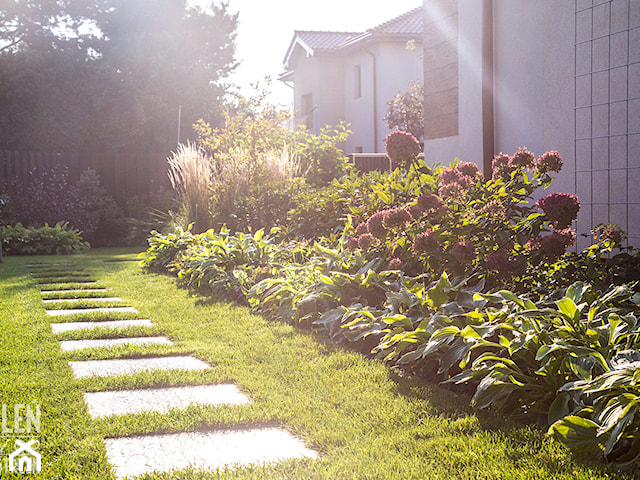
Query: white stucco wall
x: 359, y: 111
x: 396, y: 67
x: 533, y: 80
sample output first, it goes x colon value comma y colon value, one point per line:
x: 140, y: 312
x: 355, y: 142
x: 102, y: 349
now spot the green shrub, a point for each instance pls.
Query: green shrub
x: 58, y: 240
x: 323, y: 212
x: 321, y: 160
x: 107, y: 225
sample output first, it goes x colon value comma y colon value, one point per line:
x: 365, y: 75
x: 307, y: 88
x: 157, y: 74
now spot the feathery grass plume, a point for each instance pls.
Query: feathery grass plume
x: 191, y: 174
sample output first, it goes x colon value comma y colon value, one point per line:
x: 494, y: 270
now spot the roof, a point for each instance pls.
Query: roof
x: 410, y: 23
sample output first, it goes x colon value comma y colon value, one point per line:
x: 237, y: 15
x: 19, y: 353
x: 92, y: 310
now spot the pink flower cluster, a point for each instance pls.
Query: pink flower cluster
x: 455, y: 181
x: 402, y: 147
x: 395, y: 264
x: 549, y: 162
x: 376, y: 225
x: 554, y: 245
x: 396, y: 217
x: 560, y: 208
x: 498, y: 262
x: 523, y: 158
x: 426, y: 242
x: 463, y: 251
x: 503, y: 165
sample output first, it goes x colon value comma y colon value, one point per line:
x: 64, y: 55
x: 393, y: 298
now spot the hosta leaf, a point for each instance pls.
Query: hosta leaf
x: 492, y: 391
x: 454, y: 355
x: 618, y: 407
x: 577, y: 433
x: 577, y: 290
x: 568, y: 308
x: 507, y: 295
x: 559, y: 408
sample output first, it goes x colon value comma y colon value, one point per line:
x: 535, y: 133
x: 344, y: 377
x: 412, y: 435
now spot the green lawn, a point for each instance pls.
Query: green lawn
x: 366, y: 421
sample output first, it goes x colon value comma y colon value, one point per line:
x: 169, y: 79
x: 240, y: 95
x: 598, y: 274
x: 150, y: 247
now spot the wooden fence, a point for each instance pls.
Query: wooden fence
x: 122, y: 175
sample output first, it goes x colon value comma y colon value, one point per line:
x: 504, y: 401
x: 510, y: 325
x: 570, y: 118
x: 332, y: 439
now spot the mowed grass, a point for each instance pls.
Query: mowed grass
x: 366, y: 421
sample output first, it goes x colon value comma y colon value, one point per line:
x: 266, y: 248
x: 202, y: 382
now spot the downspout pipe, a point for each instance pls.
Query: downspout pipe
x: 488, y: 134
x: 375, y: 100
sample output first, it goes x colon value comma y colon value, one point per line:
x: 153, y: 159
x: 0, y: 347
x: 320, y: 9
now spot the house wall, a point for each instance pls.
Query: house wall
x: 533, y: 80
x: 395, y: 68
x: 359, y: 110
x: 321, y: 76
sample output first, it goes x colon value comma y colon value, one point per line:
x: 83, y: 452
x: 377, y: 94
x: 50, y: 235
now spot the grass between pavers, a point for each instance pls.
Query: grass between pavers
x: 73, y: 295
x: 366, y: 421
x: 82, y: 304
x: 69, y: 286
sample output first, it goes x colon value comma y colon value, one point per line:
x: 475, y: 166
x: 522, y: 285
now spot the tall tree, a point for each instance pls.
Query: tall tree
x: 48, y: 25
x: 115, y: 77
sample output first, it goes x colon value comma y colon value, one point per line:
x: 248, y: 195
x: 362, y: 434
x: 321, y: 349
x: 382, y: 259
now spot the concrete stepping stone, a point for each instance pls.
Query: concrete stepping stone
x: 68, y: 280
x: 133, y: 456
x: 70, y: 292
x: 110, y: 324
x: 47, y: 264
x: 73, y: 311
x: 83, y: 299
x: 128, y: 366
x: 72, y: 345
x: 161, y: 400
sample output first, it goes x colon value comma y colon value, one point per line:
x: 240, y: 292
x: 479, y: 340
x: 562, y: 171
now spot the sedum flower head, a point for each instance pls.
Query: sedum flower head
x: 402, y: 147
x: 464, y: 251
x: 376, y: 225
x: 549, y: 162
x: 426, y: 242
x: 396, y: 217
x: 523, y: 158
x: 560, y: 208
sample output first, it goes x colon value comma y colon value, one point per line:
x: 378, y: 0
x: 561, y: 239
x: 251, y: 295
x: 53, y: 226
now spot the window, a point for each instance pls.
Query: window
x: 357, y: 81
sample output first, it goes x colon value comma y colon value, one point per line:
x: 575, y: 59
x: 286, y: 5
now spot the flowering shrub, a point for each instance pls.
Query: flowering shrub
x: 402, y: 148
x: 447, y: 231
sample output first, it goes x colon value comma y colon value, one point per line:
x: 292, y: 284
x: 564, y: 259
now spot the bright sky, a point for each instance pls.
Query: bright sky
x: 266, y: 28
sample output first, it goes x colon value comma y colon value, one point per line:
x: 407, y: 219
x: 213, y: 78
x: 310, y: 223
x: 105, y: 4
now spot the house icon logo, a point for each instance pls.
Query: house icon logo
x: 25, y: 459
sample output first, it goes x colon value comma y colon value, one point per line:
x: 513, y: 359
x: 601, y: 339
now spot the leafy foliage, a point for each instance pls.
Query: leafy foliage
x: 402, y: 268
x: 406, y: 110
x: 58, y: 240
x: 113, y: 75
x: 50, y: 197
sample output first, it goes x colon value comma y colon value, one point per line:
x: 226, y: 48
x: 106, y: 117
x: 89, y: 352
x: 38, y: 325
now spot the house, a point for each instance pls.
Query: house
x: 350, y: 76
x: 549, y: 75
x: 25, y: 459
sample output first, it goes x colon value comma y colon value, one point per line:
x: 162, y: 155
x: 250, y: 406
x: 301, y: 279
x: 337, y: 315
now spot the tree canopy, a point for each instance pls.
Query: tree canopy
x: 97, y: 75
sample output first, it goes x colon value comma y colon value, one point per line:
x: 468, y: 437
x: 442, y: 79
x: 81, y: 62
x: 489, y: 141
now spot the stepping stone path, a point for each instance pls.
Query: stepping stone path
x: 143, y: 454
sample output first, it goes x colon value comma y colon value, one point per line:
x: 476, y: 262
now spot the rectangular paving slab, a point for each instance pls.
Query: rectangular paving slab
x: 83, y: 299
x: 129, y: 366
x: 161, y: 400
x: 70, y: 292
x: 71, y: 345
x: 133, y: 456
x: 113, y: 324
x: 73, y: 311
x: 68, y: 280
